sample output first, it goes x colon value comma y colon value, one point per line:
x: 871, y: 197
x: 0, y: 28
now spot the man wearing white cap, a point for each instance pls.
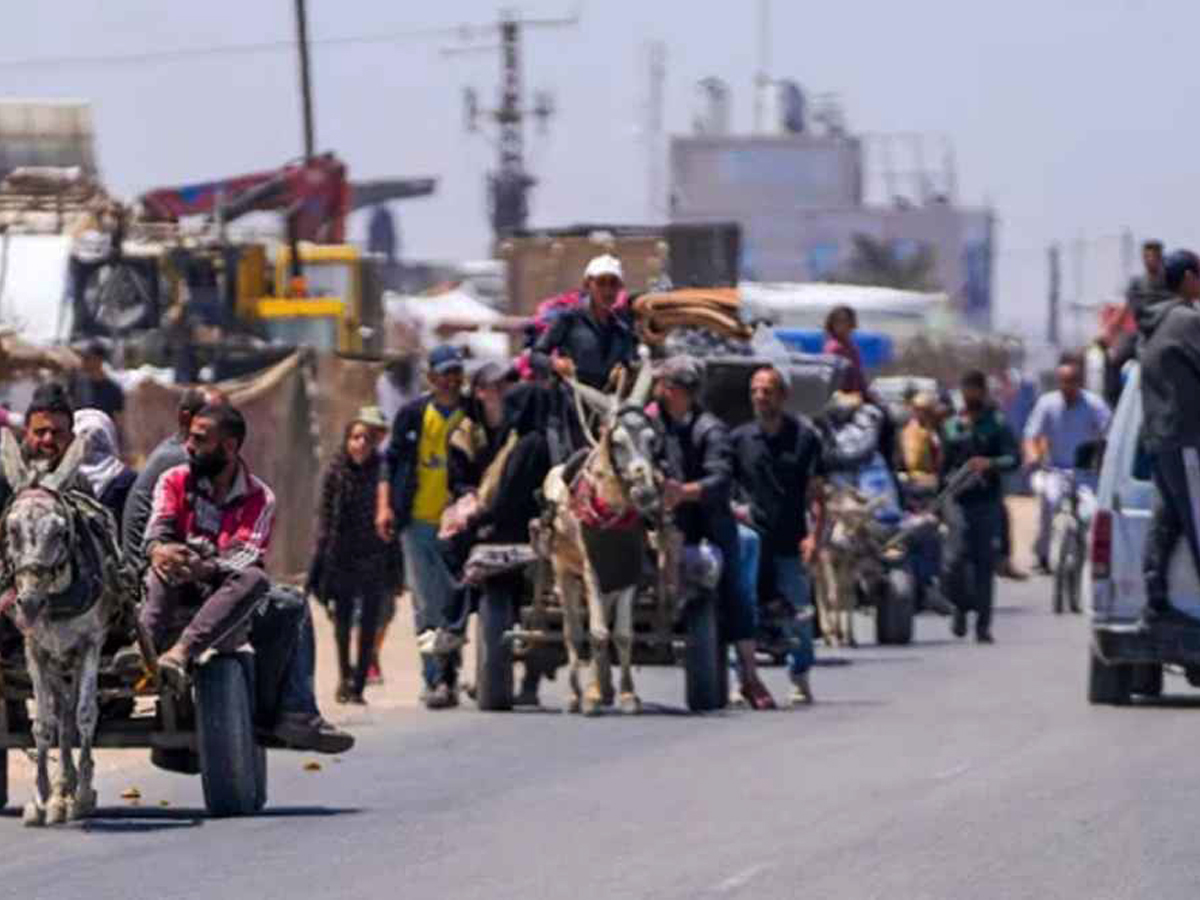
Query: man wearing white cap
x: 588, y: 341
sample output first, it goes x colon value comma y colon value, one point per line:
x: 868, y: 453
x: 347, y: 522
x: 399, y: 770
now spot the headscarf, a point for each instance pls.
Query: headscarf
x: 100, y: 461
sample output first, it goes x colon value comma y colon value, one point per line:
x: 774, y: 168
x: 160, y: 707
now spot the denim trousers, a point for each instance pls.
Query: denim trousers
x: 791, y: 581
x: 433, y: 594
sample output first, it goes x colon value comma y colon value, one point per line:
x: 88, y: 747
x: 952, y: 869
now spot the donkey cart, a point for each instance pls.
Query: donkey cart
x: 209, y: 732
x: 520, y: 619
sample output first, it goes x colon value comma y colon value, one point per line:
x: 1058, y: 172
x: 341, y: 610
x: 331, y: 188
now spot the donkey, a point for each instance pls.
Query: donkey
x: 65, y: 591
x: 846, y: 549
x: 600, y: 503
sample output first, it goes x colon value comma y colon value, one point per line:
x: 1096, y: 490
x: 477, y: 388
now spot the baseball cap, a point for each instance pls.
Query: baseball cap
x: 492, y: 372
x: 444, y: 358
x: 682, y: 370
x: 606, y: 264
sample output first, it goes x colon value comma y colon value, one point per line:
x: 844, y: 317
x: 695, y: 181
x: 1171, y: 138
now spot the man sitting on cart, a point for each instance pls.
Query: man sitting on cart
x: 209, y: 530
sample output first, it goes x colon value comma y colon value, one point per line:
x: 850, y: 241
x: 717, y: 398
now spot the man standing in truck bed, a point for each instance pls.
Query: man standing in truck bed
x: 1169, y: 351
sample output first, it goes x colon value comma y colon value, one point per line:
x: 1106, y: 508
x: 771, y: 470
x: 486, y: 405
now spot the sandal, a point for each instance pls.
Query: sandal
x: 757, y: 696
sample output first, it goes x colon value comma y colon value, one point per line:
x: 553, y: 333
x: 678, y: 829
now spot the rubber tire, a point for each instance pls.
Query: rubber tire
x: 229, y: 753
x: 493, y: 656
x: 705, y: 669
x: 1147, y: 680
x: 1109, y: 685
x: 260, y: 778
x: 896, y: 608
x: 723, y: 674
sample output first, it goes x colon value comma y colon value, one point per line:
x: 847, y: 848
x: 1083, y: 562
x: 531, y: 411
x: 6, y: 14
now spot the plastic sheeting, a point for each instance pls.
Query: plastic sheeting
x: 33, y: 286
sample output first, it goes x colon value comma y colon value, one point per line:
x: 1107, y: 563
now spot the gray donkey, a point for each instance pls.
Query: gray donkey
x: 64, y: 579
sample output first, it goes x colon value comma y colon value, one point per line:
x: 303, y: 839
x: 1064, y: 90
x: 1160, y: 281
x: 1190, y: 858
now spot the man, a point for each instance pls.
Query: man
x: 1151, y: 285
x: 1170, y: 356
x: 920, y: 445
x: 208, y: 533
x: 698, y: 493
x: 1060, y: 423
x: 93, y: 389
x: 281, y: 633
x: 777, y: 461
x: 588, y: 341
x: 981, y: 440
x: 414, y: 489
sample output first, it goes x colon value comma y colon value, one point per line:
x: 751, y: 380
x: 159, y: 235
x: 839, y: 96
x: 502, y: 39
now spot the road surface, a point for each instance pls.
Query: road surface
x: 941, y: 770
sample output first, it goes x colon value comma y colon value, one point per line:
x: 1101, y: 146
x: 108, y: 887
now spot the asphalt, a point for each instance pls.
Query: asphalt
x: 940, y: 770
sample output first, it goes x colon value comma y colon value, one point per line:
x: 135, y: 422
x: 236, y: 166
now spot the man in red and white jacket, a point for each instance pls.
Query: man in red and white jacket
x: 209, y: 530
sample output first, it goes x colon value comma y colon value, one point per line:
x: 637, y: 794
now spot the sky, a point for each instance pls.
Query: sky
x: 1074, y: 119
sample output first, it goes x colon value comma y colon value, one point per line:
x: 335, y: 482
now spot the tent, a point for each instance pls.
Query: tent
x: 454, y: 314
x: 33, y: 286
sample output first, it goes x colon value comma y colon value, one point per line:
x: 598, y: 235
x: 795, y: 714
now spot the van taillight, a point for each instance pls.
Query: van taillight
x: 1102, y: 528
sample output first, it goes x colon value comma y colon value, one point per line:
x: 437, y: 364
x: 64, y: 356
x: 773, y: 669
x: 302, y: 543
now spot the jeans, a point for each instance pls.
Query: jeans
x: 432, y: 595
x: 972, y: 562
x: 285, y: 656
x: 749, y: 556
x: 792, y: 583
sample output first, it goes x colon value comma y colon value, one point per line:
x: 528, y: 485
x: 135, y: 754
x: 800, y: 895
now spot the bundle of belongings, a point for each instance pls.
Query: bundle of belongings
x: 715, y: 309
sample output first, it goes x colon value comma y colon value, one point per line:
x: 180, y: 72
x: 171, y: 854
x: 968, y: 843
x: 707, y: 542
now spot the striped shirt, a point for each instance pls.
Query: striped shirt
x: 184, y: 511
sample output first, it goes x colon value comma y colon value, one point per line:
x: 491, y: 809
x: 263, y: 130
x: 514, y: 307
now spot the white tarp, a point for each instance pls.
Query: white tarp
x: 805, y: 305
x: 33, y: 286
x: 425, y: 314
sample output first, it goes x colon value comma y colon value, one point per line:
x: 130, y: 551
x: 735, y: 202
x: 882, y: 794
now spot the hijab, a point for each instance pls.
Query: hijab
x: 100, y: 461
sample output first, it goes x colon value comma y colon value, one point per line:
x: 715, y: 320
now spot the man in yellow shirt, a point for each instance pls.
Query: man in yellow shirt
x: 414, y: 489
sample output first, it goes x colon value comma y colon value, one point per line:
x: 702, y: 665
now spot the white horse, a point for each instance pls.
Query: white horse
x: 65, y: 593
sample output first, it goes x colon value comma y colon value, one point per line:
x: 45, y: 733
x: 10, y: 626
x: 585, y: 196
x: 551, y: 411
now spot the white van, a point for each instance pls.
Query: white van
x: 1126, y: 659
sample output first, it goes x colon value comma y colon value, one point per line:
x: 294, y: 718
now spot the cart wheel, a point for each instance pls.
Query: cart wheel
x: 895, y: 608
x: 229, y: 754
x: 705, y: 674
x: 493, y: 657
x: 260, y: 778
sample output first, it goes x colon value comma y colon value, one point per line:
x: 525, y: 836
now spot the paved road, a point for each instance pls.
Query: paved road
x: 942, y: 770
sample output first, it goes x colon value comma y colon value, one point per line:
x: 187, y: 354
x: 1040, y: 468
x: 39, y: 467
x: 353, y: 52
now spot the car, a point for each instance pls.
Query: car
x: 1126, y: 659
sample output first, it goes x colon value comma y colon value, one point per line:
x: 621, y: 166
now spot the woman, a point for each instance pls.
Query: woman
x: 839, y: 328
x: 109, y: 478
x: 351, y: 562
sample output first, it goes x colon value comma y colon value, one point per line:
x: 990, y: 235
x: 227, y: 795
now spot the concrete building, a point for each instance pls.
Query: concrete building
x: 800, y: 199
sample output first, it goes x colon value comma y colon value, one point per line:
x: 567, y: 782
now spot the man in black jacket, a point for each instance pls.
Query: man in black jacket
x: 1170, y: 356
x: 981, y: 440
x: 699, y: 493
x: 777, y: 464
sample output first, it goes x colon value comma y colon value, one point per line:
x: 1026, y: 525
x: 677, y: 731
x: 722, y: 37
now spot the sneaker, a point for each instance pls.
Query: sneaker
x: 958, y: 624
x: 984, y: 638
x: 441, y: 697
x: 357, y: 700
x: 802, y: 694
x: 309, y: 731
x: 374, y: 674
x: 343, y: 693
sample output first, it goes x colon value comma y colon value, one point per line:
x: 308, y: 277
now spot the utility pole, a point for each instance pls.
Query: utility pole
x: 1055, y: 284
x: 509, y: 185
x: 763, y: 79
x: 656, y: 71
x: 305, y: 83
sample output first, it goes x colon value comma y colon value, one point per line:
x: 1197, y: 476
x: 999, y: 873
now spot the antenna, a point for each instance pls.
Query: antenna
x: 509, y: 184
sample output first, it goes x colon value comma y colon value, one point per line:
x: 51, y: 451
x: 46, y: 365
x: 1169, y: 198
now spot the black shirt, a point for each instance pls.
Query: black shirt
x: 698, y: 449
x: 594, y: 347
x: 773, y: 471
x: 101, y: 393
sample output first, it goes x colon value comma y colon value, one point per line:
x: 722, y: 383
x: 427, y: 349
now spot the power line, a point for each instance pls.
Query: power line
x: 149, y: 56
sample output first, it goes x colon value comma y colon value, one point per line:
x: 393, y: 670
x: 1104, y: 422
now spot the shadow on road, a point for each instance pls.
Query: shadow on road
x: 1171, y: 701
x: 138, y: 820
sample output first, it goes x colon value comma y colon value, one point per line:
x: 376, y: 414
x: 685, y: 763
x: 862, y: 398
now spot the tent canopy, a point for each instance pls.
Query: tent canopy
x: 805, y: 305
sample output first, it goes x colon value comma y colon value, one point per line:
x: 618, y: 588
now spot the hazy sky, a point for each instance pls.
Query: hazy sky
x: 1075, y: 118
